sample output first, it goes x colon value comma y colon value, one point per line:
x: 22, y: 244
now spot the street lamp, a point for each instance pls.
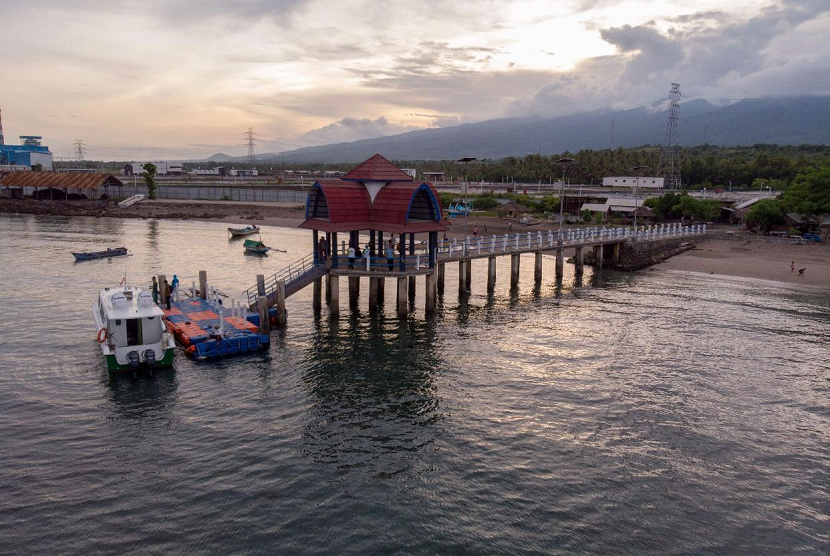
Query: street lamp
x: 564, y: 163
x: 638, y: 170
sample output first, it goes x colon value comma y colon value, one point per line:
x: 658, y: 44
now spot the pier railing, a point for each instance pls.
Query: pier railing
x: 293, y: 272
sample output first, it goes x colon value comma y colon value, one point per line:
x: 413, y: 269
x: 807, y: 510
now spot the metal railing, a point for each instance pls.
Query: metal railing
x: 289, y: 274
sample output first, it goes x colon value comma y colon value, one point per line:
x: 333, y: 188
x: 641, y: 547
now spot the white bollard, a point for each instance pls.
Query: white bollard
x: 504, y: 244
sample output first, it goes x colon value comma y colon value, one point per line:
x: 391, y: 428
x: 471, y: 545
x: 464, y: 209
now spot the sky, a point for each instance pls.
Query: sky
x: 156, y: 79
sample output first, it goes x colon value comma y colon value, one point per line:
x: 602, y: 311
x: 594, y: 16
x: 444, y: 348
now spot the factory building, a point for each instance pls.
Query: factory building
x: 30, y: 152
x: 632, y: 181
x: 162, y: 168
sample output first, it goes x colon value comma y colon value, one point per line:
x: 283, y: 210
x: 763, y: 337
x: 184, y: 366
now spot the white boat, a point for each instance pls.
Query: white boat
x: 131, y: 331
x: 246, y: 231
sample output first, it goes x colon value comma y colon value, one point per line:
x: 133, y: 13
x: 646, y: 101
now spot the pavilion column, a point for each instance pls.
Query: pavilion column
x: 491, y: 274
x: 315, y: 248
x: 433, y: 248
x: 514, y: 270
x: 334, y: 250
x: 578, y: 261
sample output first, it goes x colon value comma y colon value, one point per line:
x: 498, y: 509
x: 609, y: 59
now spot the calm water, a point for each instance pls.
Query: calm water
x: 633, y: 414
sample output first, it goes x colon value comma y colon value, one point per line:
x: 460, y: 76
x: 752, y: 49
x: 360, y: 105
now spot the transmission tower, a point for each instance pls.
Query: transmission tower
x: 249, y: 135
x: 79, y: 150
x: 670, y: 153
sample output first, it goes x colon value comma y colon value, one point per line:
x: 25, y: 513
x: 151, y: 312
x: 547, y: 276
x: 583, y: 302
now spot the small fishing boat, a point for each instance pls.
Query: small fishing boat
x: 90, y: 255
x: 459, y: 210
x: 256, y: 247
x: 131, y: 330
x: 246, y: 231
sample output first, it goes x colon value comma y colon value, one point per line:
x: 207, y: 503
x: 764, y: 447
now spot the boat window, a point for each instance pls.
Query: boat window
x: 150, y: 318
x: 132, y: 332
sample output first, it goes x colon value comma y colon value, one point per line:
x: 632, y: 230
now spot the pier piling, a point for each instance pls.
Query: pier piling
x: 281, y: 315
x: 354, y: 290
x: 328, y: 289
x: 333, y: 293
x: 578, y: 262
x: 264, y: 321
x: 260, y: 284
x: 462, y: 277
x: 615, y: 253
x: 373, y: 294
x: 402, y: 296
x: 514, y: 270
x: 318, y: 294
x: 598, y: 257
x: 537, y: 267
x: 560, y: 262
x: 381, y: 289
x: 430, y: 292
x: 203, y: 284
x: 412, y: 280
x: 491, y: 274
x: 441, y: 274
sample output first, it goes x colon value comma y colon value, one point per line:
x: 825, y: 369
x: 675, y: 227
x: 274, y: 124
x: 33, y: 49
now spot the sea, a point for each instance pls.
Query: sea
x: 617, y: 413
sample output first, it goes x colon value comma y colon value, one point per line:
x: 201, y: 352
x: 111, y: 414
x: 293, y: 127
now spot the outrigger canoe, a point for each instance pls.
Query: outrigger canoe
x: 256, y: 247
x: 88, y: 256
x: 246, y: 231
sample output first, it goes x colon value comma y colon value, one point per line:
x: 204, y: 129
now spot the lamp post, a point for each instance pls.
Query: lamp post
x: 563, y: 162
x: 638, y: 170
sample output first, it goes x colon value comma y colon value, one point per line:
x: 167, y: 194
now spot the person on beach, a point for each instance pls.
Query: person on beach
x: 175, y: 285
x: 509, y: 225
x: 792, y: 266
x: 351, y: 256
x: 485, y: 229
x: 155, y: 288
x: 475, y: 231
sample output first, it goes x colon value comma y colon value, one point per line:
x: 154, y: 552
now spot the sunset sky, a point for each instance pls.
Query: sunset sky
x: 185, y: 78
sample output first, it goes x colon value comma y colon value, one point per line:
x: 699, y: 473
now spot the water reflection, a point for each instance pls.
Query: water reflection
x: 373, y: 392
x: 146, y: 396
x: 153, y: 235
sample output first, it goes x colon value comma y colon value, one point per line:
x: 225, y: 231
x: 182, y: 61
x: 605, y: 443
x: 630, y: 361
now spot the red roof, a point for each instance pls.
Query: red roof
x: 58, y: 180
x: 377, y: 168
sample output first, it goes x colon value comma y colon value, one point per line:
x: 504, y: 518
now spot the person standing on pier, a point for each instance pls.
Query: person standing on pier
x: 174, y: 285
x: 166, y: 290
x: 155, y: 288
x: 390, y: 257
x: 366, y: 254
x: 351, y: 256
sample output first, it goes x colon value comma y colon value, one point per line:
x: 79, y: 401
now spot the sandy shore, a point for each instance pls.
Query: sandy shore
x: 759, y: 258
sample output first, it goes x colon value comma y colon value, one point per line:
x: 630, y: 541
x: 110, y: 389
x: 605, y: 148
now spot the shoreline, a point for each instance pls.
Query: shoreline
x: 718, y: 254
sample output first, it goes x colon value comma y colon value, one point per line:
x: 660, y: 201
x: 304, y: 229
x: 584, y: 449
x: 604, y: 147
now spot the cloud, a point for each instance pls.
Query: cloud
x: 354, y: 129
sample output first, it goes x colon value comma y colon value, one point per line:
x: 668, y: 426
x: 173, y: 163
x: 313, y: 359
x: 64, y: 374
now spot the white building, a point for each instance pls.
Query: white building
x: 162, y: 168
x: 242, y: 173
x: 631, y: 181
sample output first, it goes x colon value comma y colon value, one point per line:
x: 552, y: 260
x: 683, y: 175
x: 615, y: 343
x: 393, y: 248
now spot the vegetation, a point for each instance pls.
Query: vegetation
x: 672, y: 206
x: 809, y: 193
x: 765, y: 214
x: 150, y: 179
x: 711, y: 167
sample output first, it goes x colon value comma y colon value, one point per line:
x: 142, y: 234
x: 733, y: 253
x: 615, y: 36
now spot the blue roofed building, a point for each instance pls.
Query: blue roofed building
x: 30, y: 152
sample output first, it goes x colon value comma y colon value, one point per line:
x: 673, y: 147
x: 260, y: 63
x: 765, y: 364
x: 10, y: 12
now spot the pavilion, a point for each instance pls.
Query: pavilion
x: 375, y: 197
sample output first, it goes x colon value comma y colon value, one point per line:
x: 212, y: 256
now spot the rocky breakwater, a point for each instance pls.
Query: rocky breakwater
x: 642, y: 254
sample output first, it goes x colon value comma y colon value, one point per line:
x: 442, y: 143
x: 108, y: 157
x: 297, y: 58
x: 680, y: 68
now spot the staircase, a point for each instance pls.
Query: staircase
x: 296, y: 276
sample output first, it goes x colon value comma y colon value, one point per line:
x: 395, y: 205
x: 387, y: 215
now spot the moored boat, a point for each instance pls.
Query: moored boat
x: 90, y: 255
x: 256, y: 247
x: 246, y: 231
x: 131, y: 331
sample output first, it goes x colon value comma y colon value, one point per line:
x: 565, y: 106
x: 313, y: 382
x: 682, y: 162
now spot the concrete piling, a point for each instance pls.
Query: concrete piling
x: 431, y: 292
x: 328, y: 289
x: 598, y: 257
x: 412, y: 280
x: 491, y: 274
x: 537, y: 267
x: 402, y: 308
x: 441, y: 275
x: 381, y: 289
x: 469, y: 275
x: 203, y: 284
x: 462, y: 277
x: 318, y: 294
x: 514, y: 270
x: 578, y: 261
x: 354, y: 290
x: 281, y: 314
x: 373, y: 293
x: 333, y: 293
x: 560, y: 262
x: 262, y: 308
x: 615, y: 253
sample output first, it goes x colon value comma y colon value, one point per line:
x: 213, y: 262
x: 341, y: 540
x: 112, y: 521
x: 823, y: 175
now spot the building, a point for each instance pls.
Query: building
x: 412, y: 172
x: 54, y: 185
x: 162, y: 168
x: 631, y: 181
x: 219, y: 171
x: 434, y: 177
x: 242, y: 173
x: 623, y: 207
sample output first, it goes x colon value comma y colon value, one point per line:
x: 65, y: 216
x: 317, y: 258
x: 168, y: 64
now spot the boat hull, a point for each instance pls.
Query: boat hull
x: 114, y: 366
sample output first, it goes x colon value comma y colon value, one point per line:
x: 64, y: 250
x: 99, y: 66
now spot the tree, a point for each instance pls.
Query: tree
x: 485, y: 202
x: 810, y: 193
x: 765, y: 214
x: 150, y: 179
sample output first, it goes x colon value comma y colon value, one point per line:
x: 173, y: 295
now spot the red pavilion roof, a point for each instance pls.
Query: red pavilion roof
x: 377, y: 168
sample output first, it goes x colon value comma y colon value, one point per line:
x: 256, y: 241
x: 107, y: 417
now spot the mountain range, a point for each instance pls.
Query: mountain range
x: 783, y: 121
